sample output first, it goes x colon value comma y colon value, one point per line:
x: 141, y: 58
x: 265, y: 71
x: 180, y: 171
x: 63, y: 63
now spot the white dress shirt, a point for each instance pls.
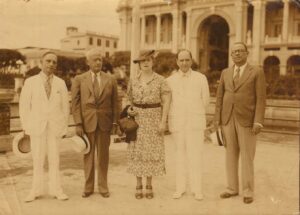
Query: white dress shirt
x: 242, y: 68
x: 98, y: 77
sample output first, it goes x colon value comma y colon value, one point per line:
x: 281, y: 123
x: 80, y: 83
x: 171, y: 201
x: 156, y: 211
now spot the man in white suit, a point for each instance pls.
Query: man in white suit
x: 190, y: 97
x: 44, y: 112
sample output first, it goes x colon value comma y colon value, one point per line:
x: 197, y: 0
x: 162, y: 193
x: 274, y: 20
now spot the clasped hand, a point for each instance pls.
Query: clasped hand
x: 131, y: 111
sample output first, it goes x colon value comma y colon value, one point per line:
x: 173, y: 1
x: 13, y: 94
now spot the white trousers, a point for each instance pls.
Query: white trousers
x: 45, y: 144
x: 189, y: 156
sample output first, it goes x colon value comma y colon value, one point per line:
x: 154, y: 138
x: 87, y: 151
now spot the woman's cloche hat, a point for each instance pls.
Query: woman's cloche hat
x: 144, y: 55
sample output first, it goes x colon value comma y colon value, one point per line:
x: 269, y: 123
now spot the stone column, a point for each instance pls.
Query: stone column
x: 239, y: 21
x: 135, y: 37
x: 231, y: 38
x: 263, y: 22
x: 257, y: 30
x: 188, y: 29
x: 143, y: 25
x: 158, y: 27
x: 122, y: 35
x: 174, y: 31
x: 285, y: 24
x: 180, y: 31
x: 282, y: 70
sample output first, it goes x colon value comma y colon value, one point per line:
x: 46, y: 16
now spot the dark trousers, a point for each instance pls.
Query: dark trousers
x: 99, y: 141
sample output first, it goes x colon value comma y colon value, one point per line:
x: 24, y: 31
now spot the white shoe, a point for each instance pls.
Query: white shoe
x: 62, y: 197
x: 31, y: 197
x: 177, y: 195
x: 199, y: 197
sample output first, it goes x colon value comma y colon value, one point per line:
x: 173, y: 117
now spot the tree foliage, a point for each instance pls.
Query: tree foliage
x: 120, y: 58
x: 9, y: 57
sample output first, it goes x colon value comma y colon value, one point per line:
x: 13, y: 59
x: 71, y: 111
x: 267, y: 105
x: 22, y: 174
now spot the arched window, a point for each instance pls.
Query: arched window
x: 271, y: 68
x: 293, y: 65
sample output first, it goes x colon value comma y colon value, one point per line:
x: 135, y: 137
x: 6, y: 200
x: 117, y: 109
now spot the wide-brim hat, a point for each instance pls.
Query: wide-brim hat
x: 144, y: 55
x: 80, y: 144
x: 21, y: 145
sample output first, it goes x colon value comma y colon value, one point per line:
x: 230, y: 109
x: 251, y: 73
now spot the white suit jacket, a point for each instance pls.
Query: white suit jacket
x: 36, y: 110
x: 188, y: 106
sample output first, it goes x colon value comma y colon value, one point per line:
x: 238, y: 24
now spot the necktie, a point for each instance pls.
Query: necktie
x: 96, y: 86
x: 236, y: 77
x: 48, y: 87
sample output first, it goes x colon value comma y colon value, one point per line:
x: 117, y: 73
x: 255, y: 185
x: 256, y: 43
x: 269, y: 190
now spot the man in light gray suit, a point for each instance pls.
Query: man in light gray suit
x: 95, y: 112
x: 240, y: 108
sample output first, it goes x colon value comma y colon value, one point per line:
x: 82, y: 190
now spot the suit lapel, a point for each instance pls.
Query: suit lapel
x: 54, y: 87
x: 41, y: 83
x: 103, y: 82
x: 244, y: 77
x: 230, y: 78
x: 88, y: 82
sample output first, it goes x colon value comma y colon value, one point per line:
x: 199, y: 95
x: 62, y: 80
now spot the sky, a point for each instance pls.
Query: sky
x: 42, y: 23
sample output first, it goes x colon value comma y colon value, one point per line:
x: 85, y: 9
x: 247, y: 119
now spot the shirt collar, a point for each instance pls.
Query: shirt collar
x: 241, y: 67
x: 186, y: 74
x: 45, y: 77
x: 97, y: 74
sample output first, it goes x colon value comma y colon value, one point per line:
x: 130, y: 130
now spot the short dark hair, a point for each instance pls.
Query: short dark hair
x: 243, y: 44
x: 181, y: 50
x: 48, y: 52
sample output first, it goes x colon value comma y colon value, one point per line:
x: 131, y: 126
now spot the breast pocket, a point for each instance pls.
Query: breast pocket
x: 57, y: 96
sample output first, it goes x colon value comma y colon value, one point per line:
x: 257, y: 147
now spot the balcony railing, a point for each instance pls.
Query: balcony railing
x: 161, y: 46
x: 273, y: 40
x: 294, y: 39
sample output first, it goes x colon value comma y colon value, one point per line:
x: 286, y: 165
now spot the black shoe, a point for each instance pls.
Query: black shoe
x: 86, y: 194
x: 248, y: 200
x: 227, y: 195
x: 105, y: 195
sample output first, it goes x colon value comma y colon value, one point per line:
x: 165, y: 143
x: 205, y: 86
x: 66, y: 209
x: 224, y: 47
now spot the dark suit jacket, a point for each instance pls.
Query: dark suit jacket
x: 247, y: 100
x: 87, y: 110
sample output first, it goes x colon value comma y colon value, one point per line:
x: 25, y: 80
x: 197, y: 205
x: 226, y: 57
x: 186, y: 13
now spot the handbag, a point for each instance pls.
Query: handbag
x: 128, y: 124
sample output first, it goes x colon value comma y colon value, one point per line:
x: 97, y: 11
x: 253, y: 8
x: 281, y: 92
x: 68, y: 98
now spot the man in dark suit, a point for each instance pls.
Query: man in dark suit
x: 95, y: 112
x: 240, y: 108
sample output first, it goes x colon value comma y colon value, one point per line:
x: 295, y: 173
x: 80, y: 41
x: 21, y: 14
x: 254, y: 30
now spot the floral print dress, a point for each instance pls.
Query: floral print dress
x: 146, y: 155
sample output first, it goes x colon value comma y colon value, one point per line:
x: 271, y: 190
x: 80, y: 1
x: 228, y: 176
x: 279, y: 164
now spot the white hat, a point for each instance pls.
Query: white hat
x: 80, y: 144
x: 21, y: 145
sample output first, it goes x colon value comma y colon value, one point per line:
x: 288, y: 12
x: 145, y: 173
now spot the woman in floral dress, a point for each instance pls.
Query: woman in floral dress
x: 150, y: 99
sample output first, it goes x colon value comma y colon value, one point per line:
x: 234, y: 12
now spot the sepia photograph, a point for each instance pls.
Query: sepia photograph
x: 149, y: 107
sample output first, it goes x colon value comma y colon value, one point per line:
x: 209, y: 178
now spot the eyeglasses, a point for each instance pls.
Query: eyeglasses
x: 238, y: 51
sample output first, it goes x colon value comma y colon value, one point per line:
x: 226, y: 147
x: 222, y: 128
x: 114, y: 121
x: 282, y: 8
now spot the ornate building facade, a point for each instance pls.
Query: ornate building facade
x: 270, y: 28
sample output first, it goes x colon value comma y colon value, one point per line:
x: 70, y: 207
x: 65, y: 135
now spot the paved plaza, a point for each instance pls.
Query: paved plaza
x: 276, y: 184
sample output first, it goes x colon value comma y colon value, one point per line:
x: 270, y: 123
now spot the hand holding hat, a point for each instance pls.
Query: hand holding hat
x: 21, y: 145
